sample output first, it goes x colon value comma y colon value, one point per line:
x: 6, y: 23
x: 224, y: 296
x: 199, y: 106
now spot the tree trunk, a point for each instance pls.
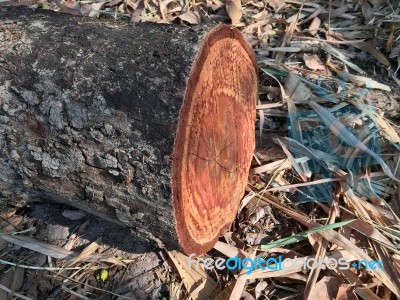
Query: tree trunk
x: 148, y: 125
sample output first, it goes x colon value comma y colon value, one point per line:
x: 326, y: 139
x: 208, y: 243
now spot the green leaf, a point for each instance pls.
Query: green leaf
x: 303, y: 235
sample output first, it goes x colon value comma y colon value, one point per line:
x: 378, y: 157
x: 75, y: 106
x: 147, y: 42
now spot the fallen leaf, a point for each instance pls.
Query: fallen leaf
x: 192, y: 17
x: 313, y: 62
x: 274, y: 3
x: 334, y: 13
x: 326, y: 288
x: 193, y: 277
x: 38, y: 246
x: 174, y: 289
x: 234, y: 10
x: 136, y: 16
x: 366, y: 293
x: 73, y: 214
x: 271, y: 153
x: 367, y: 11
x: 345, y: 292
x: 296, y: 89
x: 258, y: 214
x: 336, y: 53
x: 371, y: 49
x: 314, y: 26
x: 85, y: 254
x: 7, y: 226
x: 64, y: 8
x: 378, y: 2
x: 217, y: 3
x: 363, y: 81
x: 95, y: 7
x: 260, y: 287
x: 395, y: 52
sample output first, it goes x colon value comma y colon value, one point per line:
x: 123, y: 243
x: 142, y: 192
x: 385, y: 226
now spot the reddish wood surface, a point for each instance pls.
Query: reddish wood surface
x: 215, y: 139
x: 157, y: 135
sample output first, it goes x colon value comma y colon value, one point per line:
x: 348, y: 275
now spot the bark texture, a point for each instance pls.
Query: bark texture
x: 89, y: 112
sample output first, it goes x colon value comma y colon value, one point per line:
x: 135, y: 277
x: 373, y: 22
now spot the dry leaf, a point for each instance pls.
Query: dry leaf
x: 85, y: 254
x: 363, y: 81
x: 194, y: 277
x: 73, y: 214
x: 38, y: 246
x: 326, y: 288
x: 230, y: 250
x: 8, y: 214
x: 69, y: 10
x: 367, y: 11
x: 175, y: 289
x: 136, y: 16
x: 258, y: 214
x: 279, y: 57
x: 273, y: 166
x: 379, y: 2
x: 271, y: 153
x: 366, y: 293
x: 336, y: 53
x: 371, y: 49
x: 234, y: 10
x: 395, y: 52
x: 345, y: 292
x: 313, y: 62
x: 217, y: 3
x: 314, y: 26
x: 192, y: 17
x: 95, y: 7
x: 246, y: 200
x: 296, y: 89
x: 260, y: 287
x: 334, y: 13
x: 274, y: 3
x: 7, y: 226
x: 114, y: 2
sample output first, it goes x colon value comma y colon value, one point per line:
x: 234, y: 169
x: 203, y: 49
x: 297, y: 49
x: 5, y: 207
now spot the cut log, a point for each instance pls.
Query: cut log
x: 148, y: 125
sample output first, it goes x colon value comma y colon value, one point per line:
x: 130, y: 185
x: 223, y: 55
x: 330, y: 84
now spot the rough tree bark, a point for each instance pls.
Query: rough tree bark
x: 147, y: 125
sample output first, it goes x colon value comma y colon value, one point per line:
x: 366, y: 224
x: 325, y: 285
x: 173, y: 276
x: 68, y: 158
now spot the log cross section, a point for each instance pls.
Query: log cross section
x: 215, y: 139
x: 146, y: 125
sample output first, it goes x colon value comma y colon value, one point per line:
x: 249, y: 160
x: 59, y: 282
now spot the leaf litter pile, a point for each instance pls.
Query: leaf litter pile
x: 324, y: 183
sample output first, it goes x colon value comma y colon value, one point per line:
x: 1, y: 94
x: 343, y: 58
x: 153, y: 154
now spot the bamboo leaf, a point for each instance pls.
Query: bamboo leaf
x: 303, y: 235
x: 345, y: 135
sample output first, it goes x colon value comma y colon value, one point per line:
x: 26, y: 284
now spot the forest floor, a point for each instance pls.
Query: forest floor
x: 311, y: 194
